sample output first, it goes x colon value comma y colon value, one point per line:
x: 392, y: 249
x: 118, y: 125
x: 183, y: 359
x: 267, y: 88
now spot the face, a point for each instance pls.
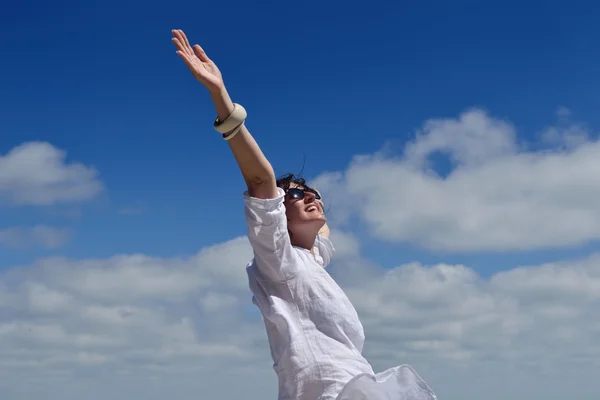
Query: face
x: 306, y: 213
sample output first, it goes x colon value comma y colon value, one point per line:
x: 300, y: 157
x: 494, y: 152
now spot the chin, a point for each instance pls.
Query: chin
x: 321, y: 222
x: 314, y: 216
x: 315, y: 222
x: 319, y: 218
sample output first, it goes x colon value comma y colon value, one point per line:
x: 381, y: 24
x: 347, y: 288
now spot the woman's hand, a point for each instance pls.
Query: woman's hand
x: 202, y: 67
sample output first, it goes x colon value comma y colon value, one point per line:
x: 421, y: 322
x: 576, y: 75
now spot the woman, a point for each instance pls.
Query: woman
x: 314, y: 333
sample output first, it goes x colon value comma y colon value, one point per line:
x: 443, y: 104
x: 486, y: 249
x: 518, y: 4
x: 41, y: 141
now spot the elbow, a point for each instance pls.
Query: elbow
x: 262, y: 187
x: 266, y: 177
x: 261, y: 180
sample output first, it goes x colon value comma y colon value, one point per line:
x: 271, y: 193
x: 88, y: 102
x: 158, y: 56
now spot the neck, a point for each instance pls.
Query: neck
x: 304, y: 241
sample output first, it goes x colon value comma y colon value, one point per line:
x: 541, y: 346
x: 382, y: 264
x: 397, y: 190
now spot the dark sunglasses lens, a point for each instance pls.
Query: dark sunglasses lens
x: 317, y: 196
x: 296, y: 193
x: 299, y: 193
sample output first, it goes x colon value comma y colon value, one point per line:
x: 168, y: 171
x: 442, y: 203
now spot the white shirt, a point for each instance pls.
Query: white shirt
x: 315, y: 336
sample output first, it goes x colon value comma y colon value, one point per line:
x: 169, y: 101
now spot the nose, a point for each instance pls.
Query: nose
x: 309, y: 197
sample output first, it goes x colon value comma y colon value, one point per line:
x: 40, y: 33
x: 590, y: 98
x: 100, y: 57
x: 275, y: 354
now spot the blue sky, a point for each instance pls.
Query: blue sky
x: 102, y: 81
x: 501, y: 98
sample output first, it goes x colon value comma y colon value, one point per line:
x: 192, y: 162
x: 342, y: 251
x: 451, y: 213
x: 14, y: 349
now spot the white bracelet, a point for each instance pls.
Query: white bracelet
x: 235, y: 132
x: 233, y: 121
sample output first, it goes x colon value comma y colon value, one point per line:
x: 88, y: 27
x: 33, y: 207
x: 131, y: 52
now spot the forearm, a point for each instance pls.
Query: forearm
x: 256, y: 169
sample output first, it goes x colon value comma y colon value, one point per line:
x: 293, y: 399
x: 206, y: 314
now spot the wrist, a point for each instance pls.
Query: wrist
x: 222, y: 102
x: 217, y: 91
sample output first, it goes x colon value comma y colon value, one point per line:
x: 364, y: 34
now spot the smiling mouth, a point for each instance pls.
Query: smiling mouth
x: 312, y: 208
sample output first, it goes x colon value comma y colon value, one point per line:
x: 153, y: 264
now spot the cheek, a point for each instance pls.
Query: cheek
x: 293, y: 211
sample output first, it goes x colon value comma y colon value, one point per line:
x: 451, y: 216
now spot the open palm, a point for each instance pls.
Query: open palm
x: 202, y: 67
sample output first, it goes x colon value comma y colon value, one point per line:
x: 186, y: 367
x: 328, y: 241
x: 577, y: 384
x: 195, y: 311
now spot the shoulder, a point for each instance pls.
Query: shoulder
x: 265, y: 213
x: 264, y: 204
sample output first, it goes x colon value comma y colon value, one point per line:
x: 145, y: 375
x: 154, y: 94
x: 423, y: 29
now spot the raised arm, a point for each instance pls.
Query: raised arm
x: 256, y: 169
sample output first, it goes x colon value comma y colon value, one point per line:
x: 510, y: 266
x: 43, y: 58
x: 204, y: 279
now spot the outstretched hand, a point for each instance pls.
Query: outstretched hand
x: 202, y: 67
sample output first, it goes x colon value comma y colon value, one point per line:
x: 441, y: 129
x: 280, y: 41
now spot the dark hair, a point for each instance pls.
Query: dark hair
x: 286, y: 180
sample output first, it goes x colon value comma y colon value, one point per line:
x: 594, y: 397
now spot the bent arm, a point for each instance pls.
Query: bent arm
x: 274, y: 255
x: 256, y: 169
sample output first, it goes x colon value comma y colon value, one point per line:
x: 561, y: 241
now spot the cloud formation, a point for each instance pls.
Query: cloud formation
x: 23, y: 238
x: 499, y: 194
x: 140, y: 326
x: 37, y: 173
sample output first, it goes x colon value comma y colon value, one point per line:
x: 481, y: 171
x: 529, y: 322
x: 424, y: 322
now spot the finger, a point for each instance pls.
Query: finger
x: 180, y: 46
x: 177, y: 43
x: 200, y: 53
x: 181, y: 41
x: 186, y: 59
x: 186, y: 41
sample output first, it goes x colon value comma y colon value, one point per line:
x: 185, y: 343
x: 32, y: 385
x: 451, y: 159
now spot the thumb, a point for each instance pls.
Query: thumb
x: 200, y: 53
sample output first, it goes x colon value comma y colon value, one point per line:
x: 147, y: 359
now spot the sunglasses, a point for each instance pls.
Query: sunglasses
x: 296, y: 193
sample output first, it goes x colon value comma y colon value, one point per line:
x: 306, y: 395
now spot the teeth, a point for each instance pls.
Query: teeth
x: 311, y: 208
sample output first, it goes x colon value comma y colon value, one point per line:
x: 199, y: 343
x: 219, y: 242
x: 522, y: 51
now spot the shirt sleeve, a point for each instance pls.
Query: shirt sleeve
x: 274, y: 255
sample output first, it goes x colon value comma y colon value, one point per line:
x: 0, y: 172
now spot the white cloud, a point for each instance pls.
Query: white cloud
x: 37, y: 173
x: 138, y: 326
x: 39, y: 235
x: 500, y: 194
x: 129, y: 316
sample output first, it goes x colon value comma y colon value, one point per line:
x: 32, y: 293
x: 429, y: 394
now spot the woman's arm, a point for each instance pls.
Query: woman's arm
x: 256, y: 169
